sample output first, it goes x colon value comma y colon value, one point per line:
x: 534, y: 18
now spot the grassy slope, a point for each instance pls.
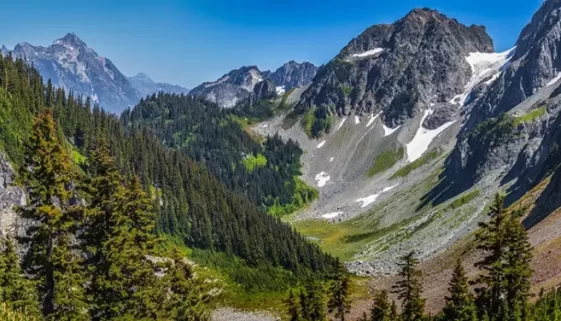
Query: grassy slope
x: 385, y: 161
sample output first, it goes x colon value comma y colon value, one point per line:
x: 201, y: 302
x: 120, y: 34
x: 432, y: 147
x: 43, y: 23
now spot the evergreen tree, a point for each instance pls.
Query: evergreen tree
x: 315, y: 302
x: 292, y: 307
x: 51, y: 258
x: 491, y: 240
x: 394, y: 315
x: 381, y: 308
x: 339, y: 290
x: 409, y: 289
x: 187, y: 298
x: 15, y: 289
x: 304, y: 306
x: 460, y: 304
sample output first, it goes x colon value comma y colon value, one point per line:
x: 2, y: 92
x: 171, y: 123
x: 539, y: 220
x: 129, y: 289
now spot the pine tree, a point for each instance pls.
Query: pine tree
x: 304, y: 306
x: 460, y: 304
x: 394, y: 315
x: 292, y: 307
x: 187, y: 298
x: 51, y: 259
x: 409, y: 289
x: 15, y: 289
x: 339, y: 290
x: 491, y: 240
x: 315, y: 302
x: 381, y: 308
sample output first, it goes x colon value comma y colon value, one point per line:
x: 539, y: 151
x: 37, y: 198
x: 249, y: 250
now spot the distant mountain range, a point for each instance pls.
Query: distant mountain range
x: 238, y: 84
x: 71, y: 64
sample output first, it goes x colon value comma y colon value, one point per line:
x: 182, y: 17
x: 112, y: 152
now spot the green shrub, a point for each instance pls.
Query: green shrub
x: 385, y: 161
x: 425, y: 159
x: 530, y: 116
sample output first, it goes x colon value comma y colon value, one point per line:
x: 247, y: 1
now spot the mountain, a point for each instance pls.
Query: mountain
x: 146, y: 86
x: 294, y: 75
x: 71, y: 64
x: 237, y: 85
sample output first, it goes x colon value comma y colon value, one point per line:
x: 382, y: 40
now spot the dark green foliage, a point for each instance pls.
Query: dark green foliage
x: 191, y: 204
x: 493, y: 131
x: 208, y: 134
x: 314, y: 302
x: 460, y: 304
x: 51, y: 259
x: 425, y: 159
x: 15, y: 289
x: 292, y: 307
x: 339, y: 303
x: 409, y: 289
x: 381, y: 308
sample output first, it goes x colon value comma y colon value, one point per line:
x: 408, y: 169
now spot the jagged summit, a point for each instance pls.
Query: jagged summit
x: 70, y: 40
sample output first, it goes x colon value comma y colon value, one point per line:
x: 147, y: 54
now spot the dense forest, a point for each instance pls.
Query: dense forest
x: 192, y: 206
x: 266, y: 173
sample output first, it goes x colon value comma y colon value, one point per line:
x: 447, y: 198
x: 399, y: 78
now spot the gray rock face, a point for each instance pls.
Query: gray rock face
x: 10, y: 196
x: 399, y: 69
x: 146, y: 86
x: 535, y: 62
x: 294, y: 75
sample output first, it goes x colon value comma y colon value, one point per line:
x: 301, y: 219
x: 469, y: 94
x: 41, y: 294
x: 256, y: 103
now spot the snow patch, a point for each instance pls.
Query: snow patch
x: 423, y: 138
x: 483, y: 65
x: 320, y: 145
x: 372, y: 198
x: 331, y: 159
x: 331, y: 215
x: 280, y: 90
x: 388, y: 131
x: 341, y: 123
x: 368, y: 53
x: 322, y: 179
x: 372, y: 119
x: 357, y: 120
x: 554, y: 80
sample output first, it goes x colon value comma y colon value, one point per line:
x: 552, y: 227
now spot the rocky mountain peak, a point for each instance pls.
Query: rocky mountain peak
x: 71, y: 40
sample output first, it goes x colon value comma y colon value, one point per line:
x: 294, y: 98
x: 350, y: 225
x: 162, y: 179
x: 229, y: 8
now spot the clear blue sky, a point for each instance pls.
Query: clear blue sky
x: 191, y: 41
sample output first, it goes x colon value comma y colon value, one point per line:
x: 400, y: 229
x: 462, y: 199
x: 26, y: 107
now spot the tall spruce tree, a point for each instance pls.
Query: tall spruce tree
x: 292, y: 307
x: 51, y: 258
x: 304, y: 305
x: 315, y: 301
x: 409, y: 289
x: 381, y: 307
x: 339, y: 303
x: 460, y: 304
x: 491, y: 240
x: 16, y: 289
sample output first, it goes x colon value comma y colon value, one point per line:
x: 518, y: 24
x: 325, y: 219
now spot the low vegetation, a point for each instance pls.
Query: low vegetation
x: 385, y: 161
x: 425, y: 159
x: 251, y: 162
x: 530, y: 116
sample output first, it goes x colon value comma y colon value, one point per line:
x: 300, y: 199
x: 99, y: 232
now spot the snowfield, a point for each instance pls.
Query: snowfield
x: 372, y: 119
x: 554, y: 80
x: 366, y: 201
x: 423, y: 138
x: 388, y: 131
x: 331, y: 215
x: 320, y: 145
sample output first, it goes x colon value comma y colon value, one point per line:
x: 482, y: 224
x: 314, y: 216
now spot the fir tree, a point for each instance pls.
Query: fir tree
x: 51, y: 259
x: 315, y: 302
x: 409, y: 289
x: 381, y: 308
x: 187, y: 298
x: 460, y: 304
x: 304, y: 306
x: 15, y: 289
x: 339, y: 290
x: 292, y: 307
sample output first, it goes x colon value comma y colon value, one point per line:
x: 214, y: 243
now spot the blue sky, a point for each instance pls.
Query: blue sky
x: 191, y: 41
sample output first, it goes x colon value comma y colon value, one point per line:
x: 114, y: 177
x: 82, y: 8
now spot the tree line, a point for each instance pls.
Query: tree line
x: 191, y: 205
x: 500, y: 292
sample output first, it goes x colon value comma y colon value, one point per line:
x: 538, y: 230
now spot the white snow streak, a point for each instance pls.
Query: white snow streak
x: 357, y: 120
x: 368, y: 53
x: 554, y: 80
x: 322, y: 179
x: 372, y: 198
x: 423, y: 138
x: 372, y: 119
x: 341, y: 124
x: 331, y: 215
x: 320, y: 145
x: 388, y: 131
x: 331, y: 159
